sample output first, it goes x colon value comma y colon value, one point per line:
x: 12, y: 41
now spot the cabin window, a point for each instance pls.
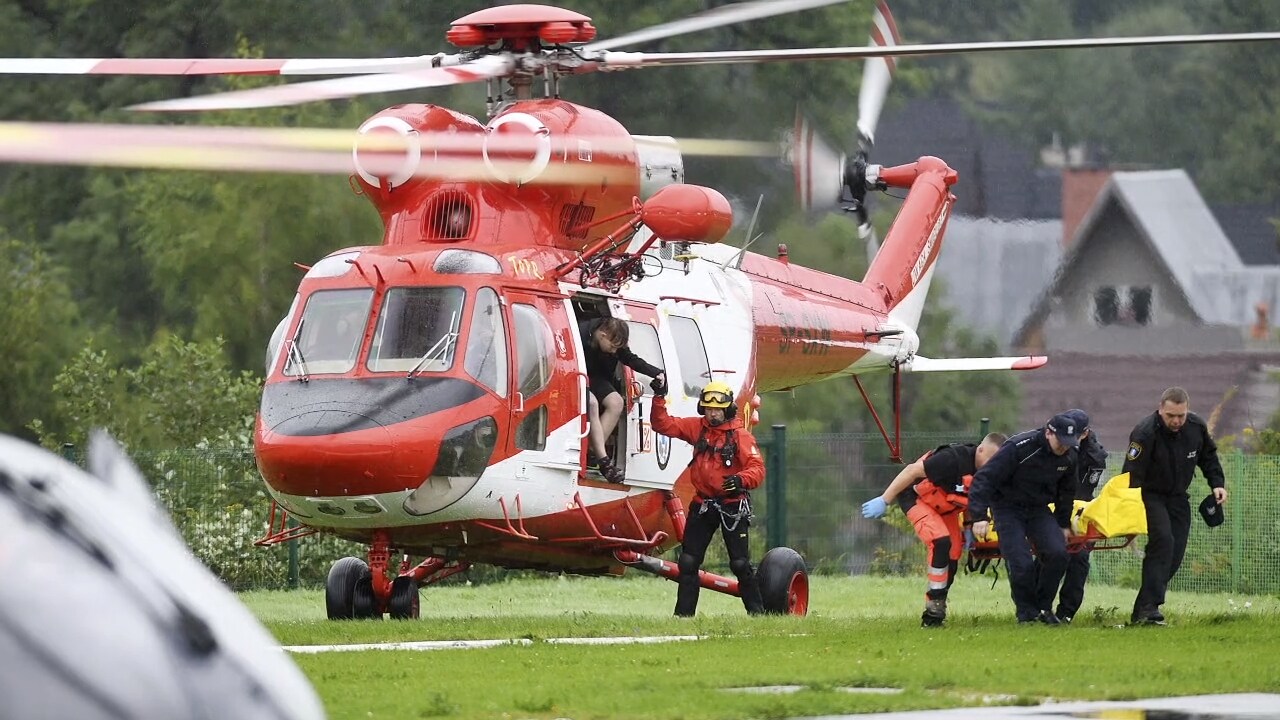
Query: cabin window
x: 417, y: 330
x: 644, y: 343
x: 691, y: 354
x: 533, y: 349
x: 327, y: 338
x: 486, y: 358
x: 531, y: 433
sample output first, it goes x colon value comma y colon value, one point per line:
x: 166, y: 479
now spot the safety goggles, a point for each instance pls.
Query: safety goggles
x: 715, y: 398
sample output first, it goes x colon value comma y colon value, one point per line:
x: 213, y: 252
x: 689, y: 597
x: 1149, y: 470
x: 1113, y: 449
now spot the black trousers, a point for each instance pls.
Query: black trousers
x: 1168, y: 525
x: 1071, y: 597
x: 698, y: 530
x: 1031, y: 586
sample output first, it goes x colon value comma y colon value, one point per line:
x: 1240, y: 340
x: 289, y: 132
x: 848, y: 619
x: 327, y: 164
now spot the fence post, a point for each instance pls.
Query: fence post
x: 984, y: 427
x: 777, y: 488
x: 69, y: 452
x: 1237, y: 522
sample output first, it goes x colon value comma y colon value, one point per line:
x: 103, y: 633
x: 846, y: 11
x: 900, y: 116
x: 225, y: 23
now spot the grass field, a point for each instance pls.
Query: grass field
x: 861, y: 633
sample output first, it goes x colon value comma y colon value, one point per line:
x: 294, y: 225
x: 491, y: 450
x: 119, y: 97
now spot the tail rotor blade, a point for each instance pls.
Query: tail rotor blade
x: 819, y: 170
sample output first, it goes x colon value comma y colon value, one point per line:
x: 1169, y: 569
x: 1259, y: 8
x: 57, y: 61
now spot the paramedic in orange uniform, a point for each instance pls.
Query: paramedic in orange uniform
x: 933, y: 491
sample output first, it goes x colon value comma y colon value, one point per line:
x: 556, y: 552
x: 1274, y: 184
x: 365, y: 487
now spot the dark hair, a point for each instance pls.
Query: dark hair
x: 616, y: 330
x: 995, y: 438
x: 1175, y: 395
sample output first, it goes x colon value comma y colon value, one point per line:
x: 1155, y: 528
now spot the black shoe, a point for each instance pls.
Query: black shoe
x: 1065, y: 616
x: 935, y: 612
x: 1147, y: 616
x: 1048, y: 618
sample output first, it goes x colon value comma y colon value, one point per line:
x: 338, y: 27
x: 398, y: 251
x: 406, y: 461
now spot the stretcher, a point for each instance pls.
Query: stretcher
x: 1110, y: 521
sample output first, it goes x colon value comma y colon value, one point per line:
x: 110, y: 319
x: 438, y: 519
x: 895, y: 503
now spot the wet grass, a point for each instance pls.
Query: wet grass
x: 860, y: 633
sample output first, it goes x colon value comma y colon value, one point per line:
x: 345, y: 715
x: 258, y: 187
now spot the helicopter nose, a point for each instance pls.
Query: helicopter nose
x: 333, y: 452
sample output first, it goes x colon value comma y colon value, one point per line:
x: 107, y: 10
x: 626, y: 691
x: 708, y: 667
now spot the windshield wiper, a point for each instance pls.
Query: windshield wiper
x: 295, y: 355
x: 438, y: 350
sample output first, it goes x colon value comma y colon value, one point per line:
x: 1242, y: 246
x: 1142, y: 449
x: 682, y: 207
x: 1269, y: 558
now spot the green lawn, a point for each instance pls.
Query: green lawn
x: 861, y: 632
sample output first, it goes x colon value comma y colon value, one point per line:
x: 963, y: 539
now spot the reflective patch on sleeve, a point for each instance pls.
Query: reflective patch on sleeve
x: 1135, y: 450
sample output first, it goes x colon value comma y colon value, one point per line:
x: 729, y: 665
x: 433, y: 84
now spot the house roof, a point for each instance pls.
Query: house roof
x: 997, y: 178
x: 1251, y: 230
x: 1170, y: 215
x: 993, y: 271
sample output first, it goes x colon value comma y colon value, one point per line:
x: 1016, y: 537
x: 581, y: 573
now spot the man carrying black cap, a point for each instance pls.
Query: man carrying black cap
x: 1164, y: 451
x: 1030, y: 471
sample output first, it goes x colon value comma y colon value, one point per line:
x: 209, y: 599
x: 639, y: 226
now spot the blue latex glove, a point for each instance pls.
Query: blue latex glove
x: 874, y: 508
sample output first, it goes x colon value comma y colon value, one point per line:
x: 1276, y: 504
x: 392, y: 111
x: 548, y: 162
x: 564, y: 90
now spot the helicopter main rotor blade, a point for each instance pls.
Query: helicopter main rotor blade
x: 220, y: 66
x: 337, y: 88
x: 320, y: 151
x: 877, y: 74
x: 626, y: 60
x: 713, y: 18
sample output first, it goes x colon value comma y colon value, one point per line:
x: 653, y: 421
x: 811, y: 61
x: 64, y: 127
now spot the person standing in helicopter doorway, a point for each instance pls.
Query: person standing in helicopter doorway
x: 726, y: 466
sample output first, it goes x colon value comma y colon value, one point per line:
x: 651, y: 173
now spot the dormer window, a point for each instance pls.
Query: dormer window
x: 1122, y: 305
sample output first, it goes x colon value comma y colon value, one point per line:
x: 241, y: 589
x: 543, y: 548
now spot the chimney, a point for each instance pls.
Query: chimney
x: 1080, y: 187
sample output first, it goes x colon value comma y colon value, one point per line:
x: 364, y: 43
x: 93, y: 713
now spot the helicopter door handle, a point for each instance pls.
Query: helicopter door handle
x: 582, y: 405
x: 520, y: 401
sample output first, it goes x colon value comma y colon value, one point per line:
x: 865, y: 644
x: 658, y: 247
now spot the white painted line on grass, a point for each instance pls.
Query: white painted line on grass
x: 472, y: 644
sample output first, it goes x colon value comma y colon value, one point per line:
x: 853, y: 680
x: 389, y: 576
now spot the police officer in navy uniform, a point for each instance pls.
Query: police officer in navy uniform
x: 1164, y: 451
x: 1030, y: 471
x: 1091, y: 464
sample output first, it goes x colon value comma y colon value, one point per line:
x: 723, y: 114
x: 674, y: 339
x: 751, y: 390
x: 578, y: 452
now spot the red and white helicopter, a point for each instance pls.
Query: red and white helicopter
x: 427, y: 395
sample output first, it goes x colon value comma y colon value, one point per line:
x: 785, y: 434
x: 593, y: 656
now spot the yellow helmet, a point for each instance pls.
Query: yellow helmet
x: 716, y: 394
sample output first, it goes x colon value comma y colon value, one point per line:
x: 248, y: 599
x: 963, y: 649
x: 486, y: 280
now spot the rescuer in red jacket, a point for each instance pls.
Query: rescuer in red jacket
x: 726, y: 465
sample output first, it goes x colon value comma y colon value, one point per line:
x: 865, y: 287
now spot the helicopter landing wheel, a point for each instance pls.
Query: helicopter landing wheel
x: 784, y: 582
x: 403, y: 604
x: 348, y: 591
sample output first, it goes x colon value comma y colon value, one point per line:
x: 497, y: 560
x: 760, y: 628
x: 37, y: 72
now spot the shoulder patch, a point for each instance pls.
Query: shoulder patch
x: 1135, y: 451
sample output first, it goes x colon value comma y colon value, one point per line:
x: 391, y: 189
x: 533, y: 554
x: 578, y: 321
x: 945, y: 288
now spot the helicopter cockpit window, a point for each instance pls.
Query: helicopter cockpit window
x: 486, y: 358
x: 644, y: 342
x: 327, y: 338
x: 334, y: 265
x: 417, y: 330
x: 277, y: 336
x: 692, y: 354
x: 466, y: 262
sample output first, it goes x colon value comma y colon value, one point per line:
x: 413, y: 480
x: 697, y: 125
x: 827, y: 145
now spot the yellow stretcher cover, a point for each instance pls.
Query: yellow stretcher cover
x: 1117, y: 510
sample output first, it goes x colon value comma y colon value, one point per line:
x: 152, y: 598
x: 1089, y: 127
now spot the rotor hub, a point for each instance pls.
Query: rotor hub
x: 521, y: 27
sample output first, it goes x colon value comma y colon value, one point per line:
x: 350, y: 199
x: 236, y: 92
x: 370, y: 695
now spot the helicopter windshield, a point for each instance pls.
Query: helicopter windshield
x: 417, y: 330
x: 329, y: 333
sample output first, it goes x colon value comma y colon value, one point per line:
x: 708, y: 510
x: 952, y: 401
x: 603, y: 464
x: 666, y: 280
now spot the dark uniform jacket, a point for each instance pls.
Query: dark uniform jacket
x: 1162, y: 461
x: 603, y: 365
x: 1025, y: 472
x: 1091, y: 464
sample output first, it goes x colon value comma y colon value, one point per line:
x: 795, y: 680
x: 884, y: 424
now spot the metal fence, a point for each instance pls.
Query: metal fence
x: 810, y: 502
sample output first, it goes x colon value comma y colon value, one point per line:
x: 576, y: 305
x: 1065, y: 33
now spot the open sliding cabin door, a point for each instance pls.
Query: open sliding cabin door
x: 637, y: 444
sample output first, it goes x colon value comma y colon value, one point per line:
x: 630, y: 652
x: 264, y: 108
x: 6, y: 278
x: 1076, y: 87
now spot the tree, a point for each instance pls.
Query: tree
x: 41, y: 330
x: 182, y: 394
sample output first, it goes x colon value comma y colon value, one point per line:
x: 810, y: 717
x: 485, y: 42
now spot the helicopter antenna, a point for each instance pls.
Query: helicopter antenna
x: 737, y: 257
